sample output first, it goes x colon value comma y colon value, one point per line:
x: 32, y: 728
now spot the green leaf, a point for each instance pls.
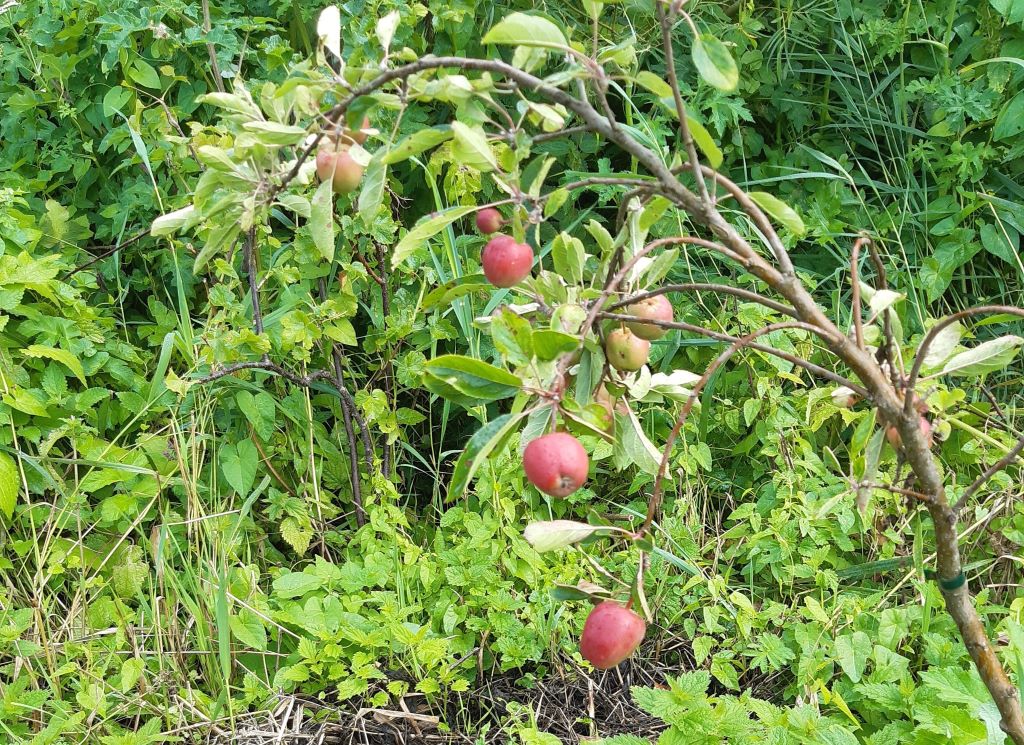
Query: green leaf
x: 704, y: 142
x: 248, y: 628
x: 425, y: 228
x: 443, y: 295
x: 472, y: 149
x: 372, y: 192
x: 275, y: 133
x: 1010, y: 121
x: 549, y: 344
x: 782, y: 212
x: 987, y: 357
x: 260, y: 410
x: 551, y: 535
x: 852, y: 653
x: 520, y: 29
x: 714, y: 62
x: 144, y: 74
x: 569, y: 256
x: 1002, y: 240
x: 26, y: 401
x: 480, y: 446
x: 321, y: 220
x: 416, y: 143
x: 654, y: 83
x: 9, y: 484
x: 942, y: 346
x: 131, y: 671
x: 60, y: 355
x: 172, y: 222
x: 296, y: 584
x: 468, y: 381
x: 1011, y: 10
x: 238, y: 462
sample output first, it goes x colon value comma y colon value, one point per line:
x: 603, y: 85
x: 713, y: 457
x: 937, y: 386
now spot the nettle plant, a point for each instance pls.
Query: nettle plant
x: 575, y: 343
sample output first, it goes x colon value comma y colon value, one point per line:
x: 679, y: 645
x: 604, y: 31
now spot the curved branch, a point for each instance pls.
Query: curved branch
x: 654, y: 504
x: 922, y: 349
x: 822, y: 372
x: 709, y: 287
x: 303, y: 381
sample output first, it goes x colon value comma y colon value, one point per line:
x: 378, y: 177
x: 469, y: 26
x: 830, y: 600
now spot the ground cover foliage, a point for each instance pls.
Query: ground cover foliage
x: 181, y: 548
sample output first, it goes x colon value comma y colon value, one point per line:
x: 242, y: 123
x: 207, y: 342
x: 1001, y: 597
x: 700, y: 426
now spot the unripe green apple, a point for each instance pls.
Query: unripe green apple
x: 556, y: 464
x: 611, y: 633
x: 335, y: 163
x: 506, y: 262
x: 626, y: 351
x: 656, y: 308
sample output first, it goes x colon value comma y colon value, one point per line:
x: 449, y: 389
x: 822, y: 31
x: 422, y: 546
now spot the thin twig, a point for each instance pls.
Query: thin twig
x: 108, y: 250
x: 858, y: 319
x: 988, y: 473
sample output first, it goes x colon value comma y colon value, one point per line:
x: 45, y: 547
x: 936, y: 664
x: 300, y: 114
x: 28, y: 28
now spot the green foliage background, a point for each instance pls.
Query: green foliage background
x: 172, y: 553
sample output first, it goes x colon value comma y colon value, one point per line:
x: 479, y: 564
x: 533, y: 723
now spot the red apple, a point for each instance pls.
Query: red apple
x: 656, y: 308
x: 350, y: 136
x: 893, y: 435
x: 336, y: 163
x: 556, y: 464
x: 626, y: 351
x: 611, y: 633
x: 506, y: 262
x: 488, y: 220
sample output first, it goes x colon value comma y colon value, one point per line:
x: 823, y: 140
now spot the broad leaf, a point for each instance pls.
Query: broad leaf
x: 417, y: 142
x: 174, y: 221
x: 942, y: 346
x: 239, y: 465
x: 549, y: 344
x: 985, y: 358
x: 60, y: 355
x: 473, y: 381
x: 782, y: 212
x: 10, y: 482
x: 522, y: 30
x: 443, y: 295
x: 275, y: 133
x: 372, y: 192
x: 425, y: 228
x: 472, y: 149
x: 321, y: 220
x: 555, y: 534
x: 714, y: 62
x: 480, y: 446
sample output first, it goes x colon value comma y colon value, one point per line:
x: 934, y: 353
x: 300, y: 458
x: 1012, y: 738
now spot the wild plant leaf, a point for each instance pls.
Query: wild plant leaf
x: 60, y: 355
x: 371, y: 194
x: 472, y: 149
x: 469, y: 381
x: 416, y: 143
x: 10, y: 483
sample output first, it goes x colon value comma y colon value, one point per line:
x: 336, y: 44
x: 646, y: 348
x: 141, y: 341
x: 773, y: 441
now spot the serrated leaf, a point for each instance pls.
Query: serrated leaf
x: 417, y: 142
x: 424, y: 228
x: 248, y: 628
x: 520, y: 29
x: 549, y: 344
x: 321, y: 220
x: 480, y: 446
x: 782, y: 212
x: 472, y: 148
x: 296, y: 584
x: 60, y: 355
x: 443, y: 295
x: 987, y: 357
x: 131, y: 671
x: 10, y: 482
x: 714, y: 62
